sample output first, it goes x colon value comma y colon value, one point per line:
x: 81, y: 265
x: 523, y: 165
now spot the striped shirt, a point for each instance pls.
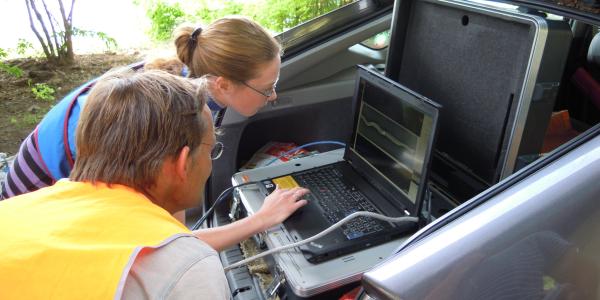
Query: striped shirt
x: 29, y: 173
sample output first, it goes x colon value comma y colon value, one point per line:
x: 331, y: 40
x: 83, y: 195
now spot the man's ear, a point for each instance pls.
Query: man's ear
x: 181, y: 162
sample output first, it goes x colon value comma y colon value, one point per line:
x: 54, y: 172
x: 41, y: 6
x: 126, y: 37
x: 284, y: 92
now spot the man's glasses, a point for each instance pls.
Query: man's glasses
x: 268, y: 93
x: 216, y: 150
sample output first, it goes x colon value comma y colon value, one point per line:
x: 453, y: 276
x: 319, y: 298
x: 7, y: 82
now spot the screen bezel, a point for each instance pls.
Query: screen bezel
x: 368, y: 171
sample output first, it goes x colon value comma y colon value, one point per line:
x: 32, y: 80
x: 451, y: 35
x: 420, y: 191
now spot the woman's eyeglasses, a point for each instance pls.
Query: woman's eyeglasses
x: 268, y: 93
x: 216, y: 151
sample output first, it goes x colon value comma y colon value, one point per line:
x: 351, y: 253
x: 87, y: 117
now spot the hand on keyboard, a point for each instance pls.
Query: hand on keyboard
x: 280, y: 204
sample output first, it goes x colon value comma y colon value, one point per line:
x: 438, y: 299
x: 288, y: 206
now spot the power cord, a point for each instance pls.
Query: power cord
x: 304, y: 146
x: 222, y: 196
x: 323, y: 233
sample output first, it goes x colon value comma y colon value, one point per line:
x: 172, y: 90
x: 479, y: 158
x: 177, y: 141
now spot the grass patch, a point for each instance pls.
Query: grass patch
x: 28, y: 119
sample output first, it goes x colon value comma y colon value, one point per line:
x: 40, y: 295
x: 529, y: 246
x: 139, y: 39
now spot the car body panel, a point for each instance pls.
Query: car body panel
x: 559, y: 198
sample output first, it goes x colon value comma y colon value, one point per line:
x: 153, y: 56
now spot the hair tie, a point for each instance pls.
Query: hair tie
x: 195, y: 34
x: 192, y: 43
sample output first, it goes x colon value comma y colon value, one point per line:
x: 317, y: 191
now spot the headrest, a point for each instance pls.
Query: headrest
x: 593, y: 56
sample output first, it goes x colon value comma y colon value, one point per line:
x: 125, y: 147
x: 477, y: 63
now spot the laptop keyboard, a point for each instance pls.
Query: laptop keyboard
x: 339, y: 200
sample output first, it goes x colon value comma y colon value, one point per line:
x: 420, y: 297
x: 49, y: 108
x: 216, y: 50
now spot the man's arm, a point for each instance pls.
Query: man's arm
x: 276, y: 208
x: 186, y: 268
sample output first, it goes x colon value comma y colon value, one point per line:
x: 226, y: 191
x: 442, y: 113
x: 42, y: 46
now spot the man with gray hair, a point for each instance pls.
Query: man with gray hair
x: 144, y: 143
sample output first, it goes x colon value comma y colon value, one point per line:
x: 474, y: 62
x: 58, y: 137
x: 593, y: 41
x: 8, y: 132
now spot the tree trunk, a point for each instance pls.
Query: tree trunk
x: 58, y: 44
x: 54, y: 33
x: 47, y: 52
x: 48, y: 41
x: 68, y: 24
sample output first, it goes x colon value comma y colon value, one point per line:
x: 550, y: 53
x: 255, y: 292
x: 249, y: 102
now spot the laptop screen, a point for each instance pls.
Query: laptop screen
x: 393, y: 134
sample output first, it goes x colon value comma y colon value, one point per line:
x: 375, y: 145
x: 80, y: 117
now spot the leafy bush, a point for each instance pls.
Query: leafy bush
x: 276, y: 15
x: 23, y: 46
x: 109, y: 42
x: 282, y: 15
x: 11, y: 70
x: 164, y: 18
x: 43, y: 91
x: 208, y: 13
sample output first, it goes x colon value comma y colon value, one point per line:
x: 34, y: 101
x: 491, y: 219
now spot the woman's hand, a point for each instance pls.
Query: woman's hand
x: 279, y: 205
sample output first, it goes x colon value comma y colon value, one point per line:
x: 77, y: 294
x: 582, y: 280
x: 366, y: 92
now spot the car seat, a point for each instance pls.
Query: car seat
x: 585, y: 78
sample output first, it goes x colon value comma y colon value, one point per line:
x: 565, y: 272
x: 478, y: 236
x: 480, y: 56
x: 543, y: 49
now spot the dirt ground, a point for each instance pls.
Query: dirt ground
x: 21, y: 111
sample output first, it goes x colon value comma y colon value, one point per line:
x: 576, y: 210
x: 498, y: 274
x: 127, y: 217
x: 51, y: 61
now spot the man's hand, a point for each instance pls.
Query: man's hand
x: 276, y: 208
x: 279, y: 205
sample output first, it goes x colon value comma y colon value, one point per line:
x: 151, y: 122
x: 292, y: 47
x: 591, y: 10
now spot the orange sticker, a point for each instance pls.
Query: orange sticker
x: 245, y: 178
x: 286, y: 182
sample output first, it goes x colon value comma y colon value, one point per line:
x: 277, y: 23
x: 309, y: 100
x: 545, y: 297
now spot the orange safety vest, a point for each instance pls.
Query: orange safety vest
x: 76, y: 240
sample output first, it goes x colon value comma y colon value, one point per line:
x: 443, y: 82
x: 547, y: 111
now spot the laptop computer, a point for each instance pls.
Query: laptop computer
x: 384, y: 170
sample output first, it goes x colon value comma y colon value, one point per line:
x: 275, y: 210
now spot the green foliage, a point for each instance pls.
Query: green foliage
x: 208, y: 13
x: 549, y: 283
x: 23, y: 46
x: 164, y: 17
x: 283, y: 15
x: 109, y: 42
x: 276, y: 15
x: 30, y: 119
x: 11, y: 70
x: 43, y: 91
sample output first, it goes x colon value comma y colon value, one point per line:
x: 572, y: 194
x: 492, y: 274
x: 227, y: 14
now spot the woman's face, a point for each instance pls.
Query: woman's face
x: 248, y: 97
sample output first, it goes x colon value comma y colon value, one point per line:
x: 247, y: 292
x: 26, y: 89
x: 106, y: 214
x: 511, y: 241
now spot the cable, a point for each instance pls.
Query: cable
x: 304, y: 146
x: 323, y: 233
x: 222, y: 196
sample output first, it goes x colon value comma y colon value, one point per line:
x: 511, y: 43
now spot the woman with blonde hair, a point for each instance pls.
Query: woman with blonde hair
x: 240, y: 61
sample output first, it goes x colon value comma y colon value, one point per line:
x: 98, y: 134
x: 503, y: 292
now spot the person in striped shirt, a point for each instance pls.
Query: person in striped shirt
x: 239, y: 59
